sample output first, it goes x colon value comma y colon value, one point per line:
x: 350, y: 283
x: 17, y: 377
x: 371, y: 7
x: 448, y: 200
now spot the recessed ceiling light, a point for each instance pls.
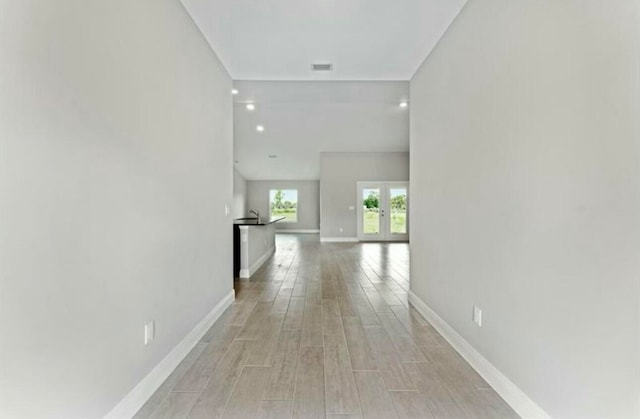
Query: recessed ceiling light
x: 273, y: 156
x: 404, y: 104
x: 250, y: 106
x: 259, y: 128
x: 234, y: 91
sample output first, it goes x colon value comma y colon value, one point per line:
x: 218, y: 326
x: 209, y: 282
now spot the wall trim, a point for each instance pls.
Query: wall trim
x: 132, y: 402
x: 516, y: 398
x: 339, y: 239
x: 298, y: 231
x: 246, y: 273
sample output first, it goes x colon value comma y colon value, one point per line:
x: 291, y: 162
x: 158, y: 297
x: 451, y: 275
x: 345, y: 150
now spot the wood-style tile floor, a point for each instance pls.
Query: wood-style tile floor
x: 325, y: 331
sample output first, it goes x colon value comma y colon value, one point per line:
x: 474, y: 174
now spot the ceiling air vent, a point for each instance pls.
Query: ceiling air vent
x: 321, y: 67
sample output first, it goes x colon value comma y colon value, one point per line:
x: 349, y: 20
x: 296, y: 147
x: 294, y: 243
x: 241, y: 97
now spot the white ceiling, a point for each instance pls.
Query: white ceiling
x: 371, y: 44
x: 364, y: 39
x: 303, y: 119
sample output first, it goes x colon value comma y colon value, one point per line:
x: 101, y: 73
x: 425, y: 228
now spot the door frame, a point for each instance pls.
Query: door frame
x: 385, y: 209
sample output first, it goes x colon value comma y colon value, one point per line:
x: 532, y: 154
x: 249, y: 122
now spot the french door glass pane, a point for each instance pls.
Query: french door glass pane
x: 398, y: 207
x: 371, y: 210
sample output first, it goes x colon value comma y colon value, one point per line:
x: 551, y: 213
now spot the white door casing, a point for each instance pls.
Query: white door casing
x: 388, y: 222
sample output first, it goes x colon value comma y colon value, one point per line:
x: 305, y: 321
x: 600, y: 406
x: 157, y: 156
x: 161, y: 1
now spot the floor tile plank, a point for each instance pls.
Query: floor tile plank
x: 340, y: 387
x: 283, y: 372
x: 359, y: 349
x: 309, y: 399
x: 312, y: 326
x: 374, y: 398
x: 214, y: 397
x: 176, y: 406
x: 196, y: 378
x: 392, y: 368
x: 275, y: 409
x: 441, y: 402
x: 295, y: 314
x: 169, y: 384
x: 410, y: 405
x: 405, y: 345
x: 245, y: 398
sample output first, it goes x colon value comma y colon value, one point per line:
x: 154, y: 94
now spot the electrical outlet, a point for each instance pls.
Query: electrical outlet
x: 341, y: 229
x: 226, y: 210
x: 477, y: 316
x: 352, y: 208
x: 149, y: 332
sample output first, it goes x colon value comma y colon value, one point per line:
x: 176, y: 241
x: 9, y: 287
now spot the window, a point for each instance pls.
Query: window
x: 284, y: 203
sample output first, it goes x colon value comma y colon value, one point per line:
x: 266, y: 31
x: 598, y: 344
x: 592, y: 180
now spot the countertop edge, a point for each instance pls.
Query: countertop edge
x: 256, y: 223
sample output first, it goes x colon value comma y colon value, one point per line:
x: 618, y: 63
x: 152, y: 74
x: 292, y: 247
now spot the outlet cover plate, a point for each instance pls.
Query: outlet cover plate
x: 149, y: 332
x: 477, y: 316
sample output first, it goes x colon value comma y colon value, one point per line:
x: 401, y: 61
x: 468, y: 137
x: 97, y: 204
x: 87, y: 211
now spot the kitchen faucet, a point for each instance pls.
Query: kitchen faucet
x: 256, y: 212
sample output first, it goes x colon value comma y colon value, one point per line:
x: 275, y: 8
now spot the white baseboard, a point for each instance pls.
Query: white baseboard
x: 137, y: 397
x: 516, y: 398
x: 339, y: 239
x: 246, y: 273
x: 298, y: 231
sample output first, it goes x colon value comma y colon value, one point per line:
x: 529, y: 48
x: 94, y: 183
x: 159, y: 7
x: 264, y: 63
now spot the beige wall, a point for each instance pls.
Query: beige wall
x: 525, y: 188
x: 339, y: 175
x: 115, y: 169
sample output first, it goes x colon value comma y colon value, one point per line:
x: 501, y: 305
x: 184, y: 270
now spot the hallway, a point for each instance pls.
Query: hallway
x: 325, y: 330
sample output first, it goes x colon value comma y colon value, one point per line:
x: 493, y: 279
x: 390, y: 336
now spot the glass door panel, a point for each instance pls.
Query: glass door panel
x: 383, y: 211
x: 371, y: 210
x: 398, y: 210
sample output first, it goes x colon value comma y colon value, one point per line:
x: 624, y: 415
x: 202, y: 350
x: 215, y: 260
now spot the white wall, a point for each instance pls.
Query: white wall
x: 239, y: 195
x: 339, y: 175
x: 525, y: 196
x: 115, y: 166
x: 308, y: 201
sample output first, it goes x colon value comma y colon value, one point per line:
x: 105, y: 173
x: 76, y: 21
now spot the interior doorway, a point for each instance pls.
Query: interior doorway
x: 383, y: 211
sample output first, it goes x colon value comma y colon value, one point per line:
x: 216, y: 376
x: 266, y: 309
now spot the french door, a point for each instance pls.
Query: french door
x: 383, y: 211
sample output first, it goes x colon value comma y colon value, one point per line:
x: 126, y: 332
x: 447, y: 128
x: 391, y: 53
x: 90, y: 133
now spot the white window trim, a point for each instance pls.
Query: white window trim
x: 297, y: 204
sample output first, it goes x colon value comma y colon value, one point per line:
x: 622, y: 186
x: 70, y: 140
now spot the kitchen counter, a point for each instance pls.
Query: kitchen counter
x: 256, y: 221
x: 254, y: 241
